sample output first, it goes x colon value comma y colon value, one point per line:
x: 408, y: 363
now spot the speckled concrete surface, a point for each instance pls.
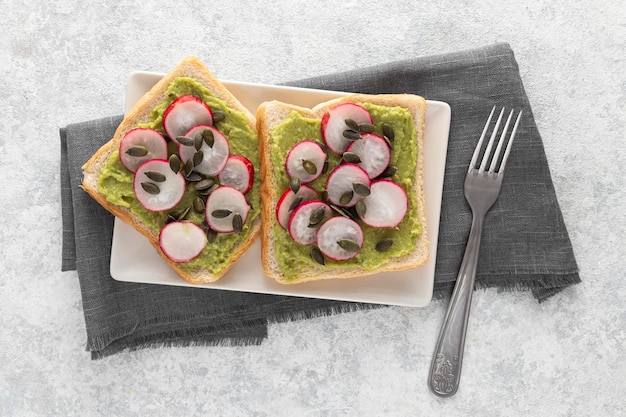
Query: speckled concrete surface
x: 63, y: 62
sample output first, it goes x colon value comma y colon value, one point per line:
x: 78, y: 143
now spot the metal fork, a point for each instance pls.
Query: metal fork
x: 481, y: 191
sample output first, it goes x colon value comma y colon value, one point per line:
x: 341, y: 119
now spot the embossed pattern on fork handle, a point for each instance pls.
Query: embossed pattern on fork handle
x: 445, y: 370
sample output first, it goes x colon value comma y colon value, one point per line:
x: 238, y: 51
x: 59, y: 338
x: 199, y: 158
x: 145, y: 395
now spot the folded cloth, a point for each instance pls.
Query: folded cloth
x: 525, y: 242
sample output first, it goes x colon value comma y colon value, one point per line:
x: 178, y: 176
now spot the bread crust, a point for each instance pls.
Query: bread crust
x: 272, y: 113
x: 140, y: 113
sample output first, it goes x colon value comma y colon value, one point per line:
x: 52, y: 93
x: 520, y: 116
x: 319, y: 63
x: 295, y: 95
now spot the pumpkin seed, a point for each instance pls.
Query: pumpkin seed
x: 388, y: 172
x: 137, y: 151
x: 346, y: 197
x: 188, y: 167
x: 324, y: 195
x: 155, y: 176
x: 221, y: 213
x: 384, y: 244
x: 295, y: 203
x: 183, y: 213
x: 175, y: 163
x: 197, y: 141
x: 352, y: 124
x: 352, y: 213
x: 340, y: 210
x: 388, y: 132
x: 209, y: 138
x: 349, y: 245
x: 360, y: 207
x: 198, y: 205
x: 351, y: 158
x: 317, y: 216
x: 366, y: 128
x: 194, y: 177
x: 209, y: 190
x: 197, y: 158
x: 185, y: 141
x: 218, y: 116
x: 361, y: 189
x: 294, y: 184
x: 150, y: 188
x: 351, y: 134
x: 205, y: 183
x: 211, y: 235
x: 325, y: 167
x: 324, y: 148
x: 309, y: 167
x: 237, y: 223
x: 317, y: 256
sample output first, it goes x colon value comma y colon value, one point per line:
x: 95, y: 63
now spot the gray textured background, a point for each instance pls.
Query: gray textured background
x: 66, y: 62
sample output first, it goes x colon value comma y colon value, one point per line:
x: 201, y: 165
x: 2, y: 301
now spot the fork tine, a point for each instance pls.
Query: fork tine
x: 480, y: 142
x: 508, y: 146
x: 496, y: 154
x: 483, y: 164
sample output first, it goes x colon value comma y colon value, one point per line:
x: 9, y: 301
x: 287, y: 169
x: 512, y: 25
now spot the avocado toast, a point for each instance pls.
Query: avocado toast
x: 183, y: 170
x: 342, y: 189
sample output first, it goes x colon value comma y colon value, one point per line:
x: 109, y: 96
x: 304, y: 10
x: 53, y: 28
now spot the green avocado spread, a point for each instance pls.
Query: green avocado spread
x: 116, y: 183
x: 292, y: 257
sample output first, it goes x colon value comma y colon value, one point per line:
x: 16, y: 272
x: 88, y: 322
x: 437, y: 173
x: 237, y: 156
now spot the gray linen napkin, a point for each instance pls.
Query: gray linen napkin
x: 525, y: 242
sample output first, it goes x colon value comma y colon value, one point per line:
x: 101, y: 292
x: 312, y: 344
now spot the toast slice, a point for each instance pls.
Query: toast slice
x: 281, y: 127
x: 107, y: 180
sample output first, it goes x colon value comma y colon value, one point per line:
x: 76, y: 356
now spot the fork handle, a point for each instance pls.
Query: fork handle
x: 445, y: 370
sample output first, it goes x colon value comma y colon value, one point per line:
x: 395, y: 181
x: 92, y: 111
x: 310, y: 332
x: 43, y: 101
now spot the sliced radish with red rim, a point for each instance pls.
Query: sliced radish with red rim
x: 305, y: 161
x: 226, y: 210
x: 288, y: 201
x: 340, y: 238
x: 373, y: 152
x: 334, y: 125
x: 140, y: 145
x: 344, y: 183
x: 157, y: 187
x: 184, y: 113
x: 305, y: 220
x: 386, y: 205
x: 182, y: 241
x: 215, y: 149
x: 237, y: 173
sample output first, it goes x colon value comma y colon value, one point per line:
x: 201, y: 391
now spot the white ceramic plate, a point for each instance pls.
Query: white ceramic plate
x: 133, y: 259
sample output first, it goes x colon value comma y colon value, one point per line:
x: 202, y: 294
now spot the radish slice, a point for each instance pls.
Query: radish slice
x: 288, y: 198
x: 373, y: 152
x: 223, y: 206
x: 336, y: 237
x: 386, y: 205
x: 305, y: 220
x: 305, y: 161
x: 184, y: 113
x: 140, y: 145
x: 157, y: 187
x: 341, y: 183
x: 237, y: 173
x: 214, y: 157
x: 334, y: 125
x: 182, y: 241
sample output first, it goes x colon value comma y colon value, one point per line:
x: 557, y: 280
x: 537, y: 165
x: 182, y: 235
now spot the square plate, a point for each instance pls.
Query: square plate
x: 133, y: 259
